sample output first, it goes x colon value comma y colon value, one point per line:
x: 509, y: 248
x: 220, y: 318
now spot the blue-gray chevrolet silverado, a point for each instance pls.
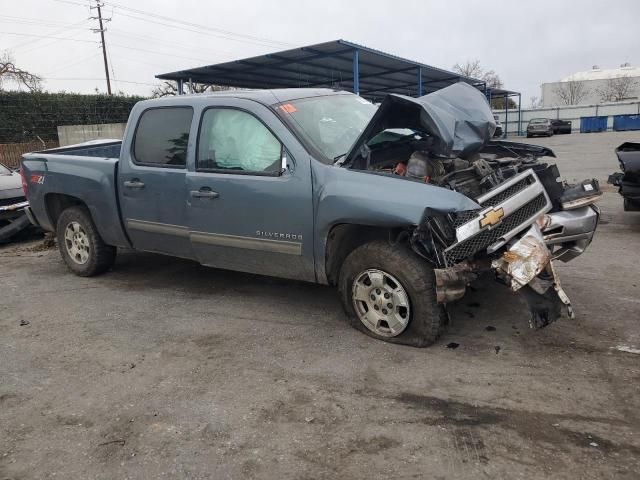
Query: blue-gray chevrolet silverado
x: 400, y: 205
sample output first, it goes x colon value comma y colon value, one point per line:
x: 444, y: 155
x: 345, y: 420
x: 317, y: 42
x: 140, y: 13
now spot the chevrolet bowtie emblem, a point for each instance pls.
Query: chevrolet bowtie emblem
x: 491, y: 218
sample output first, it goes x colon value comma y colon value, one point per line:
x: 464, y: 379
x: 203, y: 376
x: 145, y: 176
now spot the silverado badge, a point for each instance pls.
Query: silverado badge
x: 491, y: 218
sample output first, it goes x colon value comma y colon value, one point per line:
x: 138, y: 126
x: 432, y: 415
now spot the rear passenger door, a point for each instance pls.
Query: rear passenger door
x: 151, y: 181
x: 250, y: 196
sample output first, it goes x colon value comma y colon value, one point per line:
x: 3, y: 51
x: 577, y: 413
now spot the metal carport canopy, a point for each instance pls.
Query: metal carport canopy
x: 336, y: 64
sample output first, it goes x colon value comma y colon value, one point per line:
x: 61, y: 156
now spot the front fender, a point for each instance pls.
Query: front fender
x: 380, y: 200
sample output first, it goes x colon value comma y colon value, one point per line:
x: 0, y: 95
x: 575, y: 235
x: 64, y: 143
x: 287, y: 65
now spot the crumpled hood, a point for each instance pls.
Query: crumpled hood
x: 458, y: 118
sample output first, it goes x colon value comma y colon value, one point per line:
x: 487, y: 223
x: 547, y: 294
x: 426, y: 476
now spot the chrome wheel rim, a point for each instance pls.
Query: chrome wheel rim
x: 381, y: 302
x: 76, y: 242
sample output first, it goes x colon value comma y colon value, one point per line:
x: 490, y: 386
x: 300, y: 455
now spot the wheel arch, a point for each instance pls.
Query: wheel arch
x: 107, y: 220
x: 343, y: 238
x: 56, y: 203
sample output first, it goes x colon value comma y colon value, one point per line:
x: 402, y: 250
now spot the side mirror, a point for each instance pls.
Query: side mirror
x: 284, y: 162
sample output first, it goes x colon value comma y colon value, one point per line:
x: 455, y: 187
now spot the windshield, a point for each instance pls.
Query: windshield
x: 330, y: 123
x: 4, y: 170
x: 538, y: 120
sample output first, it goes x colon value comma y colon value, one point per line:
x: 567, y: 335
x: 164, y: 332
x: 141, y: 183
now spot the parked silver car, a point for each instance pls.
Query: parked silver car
x: 539, y: 126
x: 12, y: 204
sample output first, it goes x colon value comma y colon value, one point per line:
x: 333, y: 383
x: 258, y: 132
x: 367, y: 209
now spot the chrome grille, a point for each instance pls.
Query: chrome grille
x: 485, y: 238
x: 509, y: 192
x: 463, y: 217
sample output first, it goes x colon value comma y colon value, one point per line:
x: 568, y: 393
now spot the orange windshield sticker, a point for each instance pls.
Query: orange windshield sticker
x: 287, y: 107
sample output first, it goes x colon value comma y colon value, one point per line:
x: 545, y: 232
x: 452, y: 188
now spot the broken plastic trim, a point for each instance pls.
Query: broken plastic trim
x: 451, y: 283
x: 524, y: 260
x: 527, y: 267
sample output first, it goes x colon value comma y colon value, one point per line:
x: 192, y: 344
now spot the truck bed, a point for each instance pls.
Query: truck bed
x: 94, y: 148
x: 85, y: 173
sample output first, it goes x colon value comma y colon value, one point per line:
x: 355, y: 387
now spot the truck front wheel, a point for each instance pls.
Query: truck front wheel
x: 388, y: 292
x: 80, y: 244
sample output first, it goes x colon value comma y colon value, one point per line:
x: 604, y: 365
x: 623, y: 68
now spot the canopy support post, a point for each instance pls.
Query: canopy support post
x: 506, y: 115
x: 356, y: 71
x: 519, y: 114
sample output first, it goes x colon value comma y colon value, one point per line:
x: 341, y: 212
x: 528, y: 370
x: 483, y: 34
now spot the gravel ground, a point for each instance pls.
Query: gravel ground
x: 164, y: 368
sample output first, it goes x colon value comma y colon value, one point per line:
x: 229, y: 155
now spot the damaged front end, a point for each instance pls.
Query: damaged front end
x: 517, y: 233
x: 527, y: 217
x: 504, y: 236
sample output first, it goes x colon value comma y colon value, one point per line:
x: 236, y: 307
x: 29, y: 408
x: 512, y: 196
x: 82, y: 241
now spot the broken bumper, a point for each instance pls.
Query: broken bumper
x: 13, y: 219
x: 569, y: 232
x: 525, y: 266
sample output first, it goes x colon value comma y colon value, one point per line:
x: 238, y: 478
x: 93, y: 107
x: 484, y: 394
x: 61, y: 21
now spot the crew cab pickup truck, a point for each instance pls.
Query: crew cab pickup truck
x: 399, y: 205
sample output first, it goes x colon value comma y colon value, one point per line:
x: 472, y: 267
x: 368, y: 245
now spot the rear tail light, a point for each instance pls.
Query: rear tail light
x: 24, y: 181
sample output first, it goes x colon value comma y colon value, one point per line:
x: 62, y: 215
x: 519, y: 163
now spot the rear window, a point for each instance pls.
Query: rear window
x: 539, y: 120
x: 162, y: 137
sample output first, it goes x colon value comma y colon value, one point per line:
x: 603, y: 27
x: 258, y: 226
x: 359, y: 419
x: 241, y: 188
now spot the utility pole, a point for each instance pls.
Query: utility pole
x: 104, y: 47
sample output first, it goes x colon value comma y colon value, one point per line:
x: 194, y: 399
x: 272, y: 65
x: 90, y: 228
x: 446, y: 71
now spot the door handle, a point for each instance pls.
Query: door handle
x: 135, y: 183
x: 204, y: 192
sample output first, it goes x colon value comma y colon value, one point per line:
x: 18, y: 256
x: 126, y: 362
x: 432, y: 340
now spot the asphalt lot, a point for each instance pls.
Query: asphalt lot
x: 163, y: 368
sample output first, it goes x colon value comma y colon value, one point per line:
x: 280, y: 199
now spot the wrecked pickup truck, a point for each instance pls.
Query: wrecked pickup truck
x: 400, y: 206
x: 628, y: 181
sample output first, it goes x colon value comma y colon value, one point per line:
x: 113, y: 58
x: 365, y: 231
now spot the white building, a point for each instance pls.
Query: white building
x: 594, y: 86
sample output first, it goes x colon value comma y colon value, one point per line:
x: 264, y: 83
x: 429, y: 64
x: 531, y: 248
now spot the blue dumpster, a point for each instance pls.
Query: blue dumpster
x: 626, y: 122
x: 593, y: 124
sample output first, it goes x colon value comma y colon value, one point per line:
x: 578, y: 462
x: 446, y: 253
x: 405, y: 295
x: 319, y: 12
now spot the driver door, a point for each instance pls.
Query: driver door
x: 250, y: 196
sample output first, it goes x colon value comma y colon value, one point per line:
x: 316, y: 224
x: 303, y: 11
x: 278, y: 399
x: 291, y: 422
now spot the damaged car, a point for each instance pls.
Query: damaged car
x: 400, y: 206
x: 13, y: 219
x: 628, y: 181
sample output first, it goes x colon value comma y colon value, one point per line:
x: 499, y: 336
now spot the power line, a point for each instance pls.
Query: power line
x: 33, y: 21
x: 73, y: 3
x: 47, y: 36
x: 156, y: 41
x: 94, y: 79
x: 156, y: 52
x: 74, y: 63
x: 208, y: 30
x: 224, y: 33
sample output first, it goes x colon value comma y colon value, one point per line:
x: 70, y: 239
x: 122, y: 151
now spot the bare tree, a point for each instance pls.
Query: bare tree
x: 470, y: 68
x: 10, y: 72
x: 473, y: 69
x: 617, y: 89
x: 571, y: 92
x: 535, y: 102
x: 167, y: 89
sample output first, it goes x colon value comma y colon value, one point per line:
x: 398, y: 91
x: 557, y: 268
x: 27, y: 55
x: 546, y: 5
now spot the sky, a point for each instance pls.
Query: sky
x: 526, y: 42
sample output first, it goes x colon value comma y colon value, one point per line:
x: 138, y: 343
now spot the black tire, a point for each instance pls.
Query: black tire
x: 528, y: 135
x: 100, y: 255
x: 427, y: 318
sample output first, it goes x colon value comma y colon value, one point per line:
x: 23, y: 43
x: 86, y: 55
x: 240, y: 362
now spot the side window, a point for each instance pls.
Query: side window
x: 234, y: 140
x: 162, y: 137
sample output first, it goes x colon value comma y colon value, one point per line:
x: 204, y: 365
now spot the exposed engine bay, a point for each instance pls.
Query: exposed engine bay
x: 526, y: 216
x: 473, y: 176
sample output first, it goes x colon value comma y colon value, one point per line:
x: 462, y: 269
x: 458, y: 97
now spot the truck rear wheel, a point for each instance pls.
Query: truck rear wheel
x: 80, y: 244
x: 388, y: 292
